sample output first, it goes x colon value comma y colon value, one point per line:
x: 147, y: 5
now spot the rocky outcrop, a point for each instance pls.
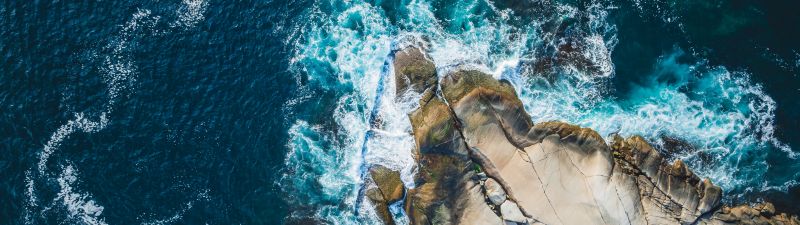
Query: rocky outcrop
x: 761, y: 213
x: 482, y: 161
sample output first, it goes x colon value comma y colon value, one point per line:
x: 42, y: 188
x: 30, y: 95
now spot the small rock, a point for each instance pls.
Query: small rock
x: 388, y: 189
x: 510, y: 212
x: 494, y: 191
x: 482, y: 176
x: 388, y: 182
x: 768, y: 209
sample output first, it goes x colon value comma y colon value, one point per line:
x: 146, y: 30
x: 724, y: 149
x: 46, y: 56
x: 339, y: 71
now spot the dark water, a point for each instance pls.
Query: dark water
x: 200, y: 122
x: 255, y: 112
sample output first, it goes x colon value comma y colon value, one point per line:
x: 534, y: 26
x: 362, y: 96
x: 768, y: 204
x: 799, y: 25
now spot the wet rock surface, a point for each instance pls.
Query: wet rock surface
x: 387, y: 188
x: 482, y: 161
x: 413, y: 71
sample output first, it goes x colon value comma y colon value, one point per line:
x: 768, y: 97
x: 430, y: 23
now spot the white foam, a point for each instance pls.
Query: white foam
x: 79, y: 205
x: 321, y: 169
x: 392, y: 144
x: 355, y: 44
x: 191, y: 13
x: 178, y: 215
x: 79, y: 123
x: 31, y: 200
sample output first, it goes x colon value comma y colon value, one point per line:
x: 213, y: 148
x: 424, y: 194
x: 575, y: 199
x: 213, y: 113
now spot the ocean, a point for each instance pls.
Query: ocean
x: 258, y: 112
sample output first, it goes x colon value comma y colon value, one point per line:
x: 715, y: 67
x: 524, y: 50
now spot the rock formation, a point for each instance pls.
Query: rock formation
x: 387, y: 189
x: 483, y: 161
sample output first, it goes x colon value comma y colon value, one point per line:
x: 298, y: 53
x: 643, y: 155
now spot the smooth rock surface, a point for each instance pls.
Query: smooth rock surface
x: 511, y: 213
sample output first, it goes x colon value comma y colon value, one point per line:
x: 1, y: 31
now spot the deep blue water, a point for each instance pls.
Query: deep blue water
x: 257, y: 112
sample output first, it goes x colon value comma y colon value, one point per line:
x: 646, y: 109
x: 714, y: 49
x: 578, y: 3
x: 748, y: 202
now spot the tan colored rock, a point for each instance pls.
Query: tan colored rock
x: 387, y: 189
x: 761, y: 213
x: 381, y: 205
x: 767, y: 209
x: 511, y: 213
x: 480, y: 98
x: 388, y: 182
x: 446, y: 192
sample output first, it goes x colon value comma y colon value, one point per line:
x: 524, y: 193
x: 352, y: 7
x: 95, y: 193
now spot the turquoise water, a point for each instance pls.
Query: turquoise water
x: 267, y: 112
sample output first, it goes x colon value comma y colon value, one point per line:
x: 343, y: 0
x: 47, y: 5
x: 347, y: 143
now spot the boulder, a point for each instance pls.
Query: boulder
x: 494, y: 192
x: 511, y: 213
x: 380, y: 203
x: 413, y: 71
x: 445, y: 192
x: 388, y: 183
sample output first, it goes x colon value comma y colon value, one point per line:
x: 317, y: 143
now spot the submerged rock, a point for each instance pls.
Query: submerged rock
x: 548, y: 173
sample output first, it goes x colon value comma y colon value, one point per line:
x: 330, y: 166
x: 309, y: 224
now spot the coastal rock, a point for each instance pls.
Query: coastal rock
x: 445, y: 192
x: 380, y: 203
x: 387, y: 189
x: 413, y: 71
x: 547, y: 173
x: 511, y: 213
x: 761, y: 213
x: 388, y: 182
